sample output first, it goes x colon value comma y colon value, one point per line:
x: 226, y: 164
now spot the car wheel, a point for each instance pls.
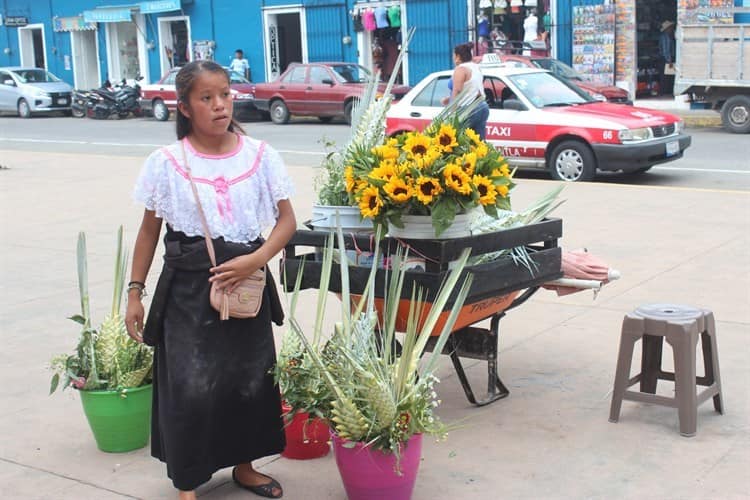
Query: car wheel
x: 279, y: 112
x: 24, y: 111
x: 572, y: 161
x: 161, y: 112
x: 325, y: 119
x: 735, y: 114
x: 348, y: 112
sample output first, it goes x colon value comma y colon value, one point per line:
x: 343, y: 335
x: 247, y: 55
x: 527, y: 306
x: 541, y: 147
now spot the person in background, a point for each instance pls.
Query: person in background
x: 239, y: 64
x: 665, y: 62
x: 468, y: 75
x: 215, y: 403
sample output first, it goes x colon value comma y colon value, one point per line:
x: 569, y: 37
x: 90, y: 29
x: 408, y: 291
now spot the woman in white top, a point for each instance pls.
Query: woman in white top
x: 215, y: 403
x: 468, y: 75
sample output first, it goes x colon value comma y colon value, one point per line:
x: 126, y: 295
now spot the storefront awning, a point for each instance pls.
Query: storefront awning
x: 108, y: 14
x: 73, y: 23
x: 154, y: 6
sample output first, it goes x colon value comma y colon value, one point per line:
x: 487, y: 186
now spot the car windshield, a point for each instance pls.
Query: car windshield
x: 546, y: 89
x: 350, y: 73
x: 35, y: 76
x: 558, y: 68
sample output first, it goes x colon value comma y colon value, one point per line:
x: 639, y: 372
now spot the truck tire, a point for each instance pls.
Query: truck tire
x: 735, y: 114
x: 279, y: 112
x: 572, y: 161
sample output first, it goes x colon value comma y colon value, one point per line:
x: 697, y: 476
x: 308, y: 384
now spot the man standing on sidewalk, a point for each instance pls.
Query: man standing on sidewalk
x: 665, y: 65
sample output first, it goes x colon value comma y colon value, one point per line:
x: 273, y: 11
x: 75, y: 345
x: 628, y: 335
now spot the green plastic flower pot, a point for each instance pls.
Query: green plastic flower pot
x: 120, y: 420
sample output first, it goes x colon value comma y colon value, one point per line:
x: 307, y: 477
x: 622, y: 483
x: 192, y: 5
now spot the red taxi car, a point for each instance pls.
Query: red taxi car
x: 160, y: 98
x: 541, y: 121
x: 325, y: 90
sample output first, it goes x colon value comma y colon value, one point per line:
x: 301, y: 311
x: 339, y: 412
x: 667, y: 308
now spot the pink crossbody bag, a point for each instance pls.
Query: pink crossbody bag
x: 247, y: 297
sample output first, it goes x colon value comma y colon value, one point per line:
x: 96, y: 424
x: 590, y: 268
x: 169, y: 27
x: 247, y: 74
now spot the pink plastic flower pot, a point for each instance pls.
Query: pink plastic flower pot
x: 371, y: 474
x: 305, y: 437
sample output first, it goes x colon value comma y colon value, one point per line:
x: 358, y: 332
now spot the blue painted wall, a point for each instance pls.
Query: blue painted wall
x: 234, y: 24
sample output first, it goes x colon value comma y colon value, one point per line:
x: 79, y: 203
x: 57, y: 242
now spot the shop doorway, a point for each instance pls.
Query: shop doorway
x: 285, y: 40
x: 126, y: 50
x: 32, y: 46
x: 651, y: 17
x: 174, y: 42
x: 378, y: 48
x: 85, y: 61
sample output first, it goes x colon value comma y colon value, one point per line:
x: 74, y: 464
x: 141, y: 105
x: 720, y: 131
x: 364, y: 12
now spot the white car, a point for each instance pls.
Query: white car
x: 33, y: 90
x: 541, y: 121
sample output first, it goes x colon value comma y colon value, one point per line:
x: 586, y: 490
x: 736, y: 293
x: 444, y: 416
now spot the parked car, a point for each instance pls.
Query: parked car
x: 542, y: 121
x: 27, y: 91
x: 326, y: 90
x: 598, y: 91
x: 160, y: 98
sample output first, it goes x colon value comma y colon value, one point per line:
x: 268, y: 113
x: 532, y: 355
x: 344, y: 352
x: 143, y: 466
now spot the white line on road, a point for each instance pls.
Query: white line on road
x: 710, y: 170
x: 131, y: 144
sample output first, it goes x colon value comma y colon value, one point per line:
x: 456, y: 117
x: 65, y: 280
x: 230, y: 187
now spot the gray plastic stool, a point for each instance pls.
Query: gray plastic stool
x: 681, y: 325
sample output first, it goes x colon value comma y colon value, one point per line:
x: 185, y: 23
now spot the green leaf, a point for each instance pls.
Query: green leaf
x: 54, y: 382
x: 78, y: 319
x: 348, y: 444
x: 443, y: 214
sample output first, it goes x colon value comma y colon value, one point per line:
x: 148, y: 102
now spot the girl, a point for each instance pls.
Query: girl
x: 468, y: 75
x: 215, y: 403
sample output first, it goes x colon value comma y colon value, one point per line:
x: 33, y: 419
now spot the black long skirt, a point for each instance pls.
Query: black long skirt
x: 215, y: 402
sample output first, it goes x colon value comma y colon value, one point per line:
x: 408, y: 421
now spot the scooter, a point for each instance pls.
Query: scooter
x: 120, y: 100
x: 82, y: 102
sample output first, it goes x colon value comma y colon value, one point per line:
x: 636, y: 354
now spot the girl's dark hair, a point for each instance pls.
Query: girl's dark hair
x: 463, y: 51
x: 184, y: 82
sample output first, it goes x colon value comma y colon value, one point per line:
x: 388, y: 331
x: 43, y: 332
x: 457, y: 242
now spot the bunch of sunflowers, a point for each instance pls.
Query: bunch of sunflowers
x: 443, y: 171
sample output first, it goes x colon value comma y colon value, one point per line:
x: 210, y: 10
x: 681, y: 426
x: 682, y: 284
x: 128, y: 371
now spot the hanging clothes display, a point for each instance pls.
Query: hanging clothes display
x: 381, y: 17
x: 368, y: 20
x: 394, y: 16
x: 357, y: 21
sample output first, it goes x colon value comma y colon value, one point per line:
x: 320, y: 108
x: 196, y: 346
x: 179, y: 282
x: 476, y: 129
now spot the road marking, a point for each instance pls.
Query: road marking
x: 709, y: 170
x: 129, y: 145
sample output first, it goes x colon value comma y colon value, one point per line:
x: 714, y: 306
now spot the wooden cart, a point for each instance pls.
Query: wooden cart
x: 497, y: 286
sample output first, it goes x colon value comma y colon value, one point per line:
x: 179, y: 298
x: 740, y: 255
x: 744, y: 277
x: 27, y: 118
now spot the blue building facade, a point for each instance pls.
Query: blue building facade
x: 85, y: 42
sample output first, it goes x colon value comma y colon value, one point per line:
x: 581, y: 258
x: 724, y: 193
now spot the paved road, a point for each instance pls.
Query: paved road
x: 717, y: 160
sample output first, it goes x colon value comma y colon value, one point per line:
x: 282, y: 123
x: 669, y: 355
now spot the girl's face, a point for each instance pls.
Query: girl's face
x: 209, y: 105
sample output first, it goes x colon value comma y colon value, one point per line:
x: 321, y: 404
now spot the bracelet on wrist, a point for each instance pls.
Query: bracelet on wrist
x: 137, y: 285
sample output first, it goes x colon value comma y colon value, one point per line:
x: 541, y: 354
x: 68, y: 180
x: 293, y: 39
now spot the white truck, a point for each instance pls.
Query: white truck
x: 713, y: 65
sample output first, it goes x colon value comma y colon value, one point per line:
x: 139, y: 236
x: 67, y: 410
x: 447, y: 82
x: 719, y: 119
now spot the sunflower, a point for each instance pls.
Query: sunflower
x: 427, y: 188
x: 349, y: 178
x: 481, y: 150
x: 503, y: 171
x: 487, y: 191
x: 457, y: 179
x: 384, y: 171
x: 398, y: 190
x: 370, y: 202
x: 386, y: 151
x: 469, y: 162
x: 473, y: 136
x: 502, y: 190
x: 417, y: 145
x: 446, y: 138
x: 429, y: 158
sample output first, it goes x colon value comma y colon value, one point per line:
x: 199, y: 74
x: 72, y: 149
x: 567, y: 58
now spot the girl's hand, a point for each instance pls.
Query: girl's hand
x: 134, y: 318
x: 228, y: 275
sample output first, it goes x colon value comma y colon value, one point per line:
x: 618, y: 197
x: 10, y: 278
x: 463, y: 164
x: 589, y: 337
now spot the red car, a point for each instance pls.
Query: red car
x: 160, y: 98
x: 324, y: 89
x: 599, y: 92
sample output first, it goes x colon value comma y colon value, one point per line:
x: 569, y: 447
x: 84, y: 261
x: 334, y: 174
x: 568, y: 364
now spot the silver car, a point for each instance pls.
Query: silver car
x: 33, y: 90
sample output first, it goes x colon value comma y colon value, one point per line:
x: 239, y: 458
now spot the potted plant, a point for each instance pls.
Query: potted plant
x: 418, y: 184
x: 111, y: 371
x: 377, y: 397
x: 334, y: 206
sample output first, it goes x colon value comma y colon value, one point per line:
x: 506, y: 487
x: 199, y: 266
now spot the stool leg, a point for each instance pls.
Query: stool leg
x: 622, y: 374
x: 711, y: 359
x: 650, y: 362
x: 683, y: 338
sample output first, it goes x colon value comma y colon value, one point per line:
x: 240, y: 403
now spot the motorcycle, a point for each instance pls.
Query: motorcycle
x: 120, y: 100
x: 82, y: 101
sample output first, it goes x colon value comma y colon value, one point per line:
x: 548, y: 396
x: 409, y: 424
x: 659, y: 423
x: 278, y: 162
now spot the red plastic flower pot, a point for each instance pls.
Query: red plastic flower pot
x: 305, y: 437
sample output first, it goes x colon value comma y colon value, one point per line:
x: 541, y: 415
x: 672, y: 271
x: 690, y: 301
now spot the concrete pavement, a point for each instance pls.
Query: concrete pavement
x: 549, y: 439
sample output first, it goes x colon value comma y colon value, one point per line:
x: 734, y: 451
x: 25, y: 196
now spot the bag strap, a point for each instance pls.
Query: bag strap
x: 206, y: 233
